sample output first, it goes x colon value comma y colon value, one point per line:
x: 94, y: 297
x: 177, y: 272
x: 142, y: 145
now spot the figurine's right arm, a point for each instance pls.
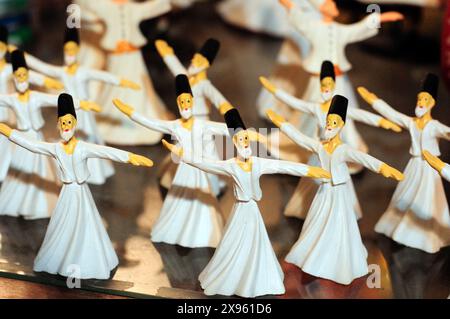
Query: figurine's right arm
x: 30, y: 144
x: 210, y: 166
x: 42, y: 67
x: 170, y: 59
x: 446, y: 172
x: 299, y: 138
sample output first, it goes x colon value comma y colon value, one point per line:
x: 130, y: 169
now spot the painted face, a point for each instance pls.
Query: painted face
x: 327, y: 86
x: 242, y: 142
x: 66, y: 126
x: 70, y: 53
x: 425, y: 102
x: 185, y: 103
x: 3, y: 49
x: 198, y: 64
x: 334, y: 126
x: 21, y: 79
x: 329, y: 8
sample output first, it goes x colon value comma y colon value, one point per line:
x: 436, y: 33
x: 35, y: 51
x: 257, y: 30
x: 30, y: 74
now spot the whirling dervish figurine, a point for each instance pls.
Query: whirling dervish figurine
x: 330, y: 244
x: 244, y: 263
x: 329, y: 40
x: 418, y: 215
x: 6, y: 87
x: 75, y: 235
x: 29, y: 188
x: 205, y: 94
x: 76, y: 79
x: 306, y: 190
x: 190, y: 215
x: 123, y: 40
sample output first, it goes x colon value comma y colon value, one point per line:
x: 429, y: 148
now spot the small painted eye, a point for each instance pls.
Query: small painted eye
x: 70, y: 122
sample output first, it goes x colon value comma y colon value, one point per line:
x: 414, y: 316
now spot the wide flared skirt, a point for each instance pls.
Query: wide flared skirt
x: 116, y: 128
x: 244, y: 263
x: 30, y: 188
x: 330, y: 244
x: 76, y: 243
x: 418, y: 215
x: 190, y: 215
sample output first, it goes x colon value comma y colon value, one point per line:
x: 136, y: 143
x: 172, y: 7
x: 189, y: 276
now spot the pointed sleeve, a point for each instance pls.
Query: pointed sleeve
x: 102, y: 76
x: 174, y: 64
x: 213, y: 95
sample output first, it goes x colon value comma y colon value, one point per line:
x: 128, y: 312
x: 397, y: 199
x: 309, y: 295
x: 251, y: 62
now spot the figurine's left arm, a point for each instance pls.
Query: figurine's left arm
x: 443, y: 131
x: 270, y: 166
x: 216, y: 98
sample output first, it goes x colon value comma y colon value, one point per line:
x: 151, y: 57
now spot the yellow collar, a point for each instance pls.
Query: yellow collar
x: 24, y: 97
x: 245, y: 166
x: 69, y: 147
x: 325, y: 106
x: 195, y: 79
x: 187, y: 124
x: 331, y: 146
x: 422, y: 122
x: 71, y: 69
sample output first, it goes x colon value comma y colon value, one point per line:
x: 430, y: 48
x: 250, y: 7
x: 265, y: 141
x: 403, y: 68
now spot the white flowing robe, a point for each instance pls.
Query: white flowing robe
x: 78, y: 85
x: 330, y: 244
x: 6, y: 116
x: 76, y: 243
x: 30, y: 187
x: 244, y: 263
x: 328, y: 42
x: 446, y: 172
x: 418, y: 215
x: 302, y: 198
x: 122, y: 24
x: 190, y: 215
x: 205, y: 94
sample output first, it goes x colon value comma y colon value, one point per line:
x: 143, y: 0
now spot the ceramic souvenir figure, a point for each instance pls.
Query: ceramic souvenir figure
x: 328, y: 41
x: 205, y: 94
x: 442, y: 168
x: 418, y: 215
x: 330, y: 245
x: 122, y: 41
x: 29, y: 188
x: 244, y: 263
x: 75, y: 234
x: 301, y: 200
x: 190, y: 214
x: 6, y: 87
x: 76, y: 79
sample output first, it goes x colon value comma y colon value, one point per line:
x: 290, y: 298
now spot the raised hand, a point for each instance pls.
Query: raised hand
x: 368, y: 96
x: 90, y: 106
x: 163, y: 48
x: 124, y: 108
x: 53, y: 84
x: 178, y: 151
x: 390, y: 172
x: 388, y: 125
x: 269, y: 86
x: 129, y: 84
x: 317, y: 172
x: 276, y: 118
x: 434, y: 161
x: 139, y: 160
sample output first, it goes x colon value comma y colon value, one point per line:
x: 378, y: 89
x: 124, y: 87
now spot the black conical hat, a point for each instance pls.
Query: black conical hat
x: 65, y: 105
x: 210, y: 49
x: 3, y: 34
x: 327, y: 70
x: 71, y: 34
x: 18, y: 60
x: 182, y: 85
x: 339, y: 106
x: 234, y: 121
x: 431, y: 85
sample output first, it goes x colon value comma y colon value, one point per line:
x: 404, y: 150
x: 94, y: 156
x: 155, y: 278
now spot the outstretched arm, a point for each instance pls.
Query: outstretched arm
x: 30, y: 144
x: 372, y: 119
x: 375, y: 165
x: 170, y: 59
x: 44, y: 99
x: 295, y: 103
x: 43, y: 67
x: 287, y: 128
x: 443, y: 131
x: 270, y: 166
x: 114, y: 154
x: 209, y: 166
x: 161, y: 126
x: 106, y: 77
x: 216, y: 98
x: 47, y: 82
x: 435, y: 162
x: 385, y: 109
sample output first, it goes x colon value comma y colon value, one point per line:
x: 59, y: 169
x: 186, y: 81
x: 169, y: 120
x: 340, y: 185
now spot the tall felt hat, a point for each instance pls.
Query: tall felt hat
x: 3, y: 34
x: 209, y: 49
x: 327, y: 70
x: 182, y: 85
x: 431, y: 85
x: 65, y: 105
x: 71, y: 34
x: 18, y: 60
x: 234, y: 121
x: 339, y: 106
